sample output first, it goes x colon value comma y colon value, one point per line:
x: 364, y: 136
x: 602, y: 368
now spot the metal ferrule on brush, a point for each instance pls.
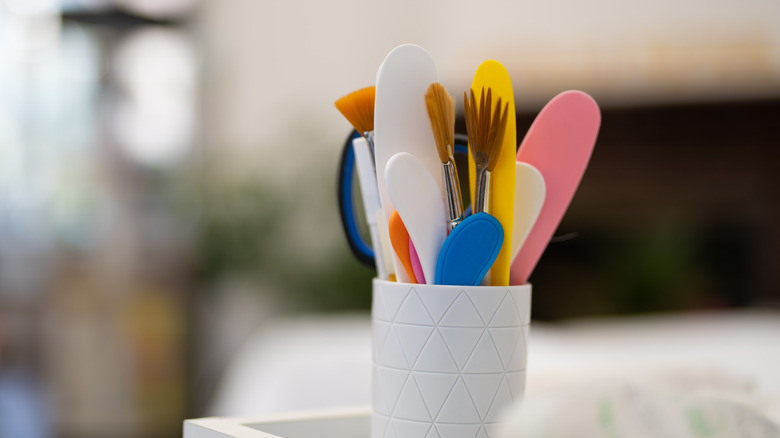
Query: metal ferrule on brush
x: 452, y: 194
x: 369, y: 136
x: 482, y: 185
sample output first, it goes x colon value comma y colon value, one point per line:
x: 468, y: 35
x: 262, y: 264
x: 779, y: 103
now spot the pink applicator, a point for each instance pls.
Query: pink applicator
x: 415, y: 261
x: 559, y: 144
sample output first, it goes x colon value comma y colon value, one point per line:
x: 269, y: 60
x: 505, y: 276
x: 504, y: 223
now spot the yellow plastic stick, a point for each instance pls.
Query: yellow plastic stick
x: 502, y: 194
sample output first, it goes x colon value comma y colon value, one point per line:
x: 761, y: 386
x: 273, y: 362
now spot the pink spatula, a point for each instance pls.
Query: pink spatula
x: 558, y: 144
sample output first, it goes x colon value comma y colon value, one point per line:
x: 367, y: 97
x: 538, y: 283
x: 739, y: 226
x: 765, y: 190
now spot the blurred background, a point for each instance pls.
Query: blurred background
x: 168, y: 169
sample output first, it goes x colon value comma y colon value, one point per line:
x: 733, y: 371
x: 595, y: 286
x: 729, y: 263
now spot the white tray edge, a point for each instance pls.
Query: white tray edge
x: 237, y: 427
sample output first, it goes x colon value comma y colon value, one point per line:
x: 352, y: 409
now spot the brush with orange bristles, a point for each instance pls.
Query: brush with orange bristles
x: 485, y: 127
x: 358, y: 108
x: 441, y: 111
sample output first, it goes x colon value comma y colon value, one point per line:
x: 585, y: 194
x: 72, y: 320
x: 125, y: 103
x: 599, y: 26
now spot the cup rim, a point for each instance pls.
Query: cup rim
x: 417, y: 286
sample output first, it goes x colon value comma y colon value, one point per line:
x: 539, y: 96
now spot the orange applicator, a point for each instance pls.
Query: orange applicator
x: 399, y: 238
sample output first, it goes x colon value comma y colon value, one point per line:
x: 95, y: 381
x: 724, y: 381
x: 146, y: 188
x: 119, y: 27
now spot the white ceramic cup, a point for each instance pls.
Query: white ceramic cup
x: 447, y: 360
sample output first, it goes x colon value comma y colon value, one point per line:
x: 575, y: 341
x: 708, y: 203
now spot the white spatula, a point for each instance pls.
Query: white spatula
x: 530, y: 192
x: 401, y: 119
x: 418, y: 200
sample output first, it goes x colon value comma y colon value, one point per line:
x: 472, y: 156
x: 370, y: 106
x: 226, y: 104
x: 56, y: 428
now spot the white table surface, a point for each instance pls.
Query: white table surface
x: 317, y: 362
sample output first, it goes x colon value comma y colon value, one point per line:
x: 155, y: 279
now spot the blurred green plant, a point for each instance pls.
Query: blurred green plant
x: 671, y: 266
x: 244, y: 229
x: 279, y: 233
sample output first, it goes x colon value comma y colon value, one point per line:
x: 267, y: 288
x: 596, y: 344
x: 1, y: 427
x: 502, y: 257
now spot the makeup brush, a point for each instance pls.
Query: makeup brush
x: 358, y: 108
x: 485, y: 129
x: 472, y: 247
x: 441, y: 111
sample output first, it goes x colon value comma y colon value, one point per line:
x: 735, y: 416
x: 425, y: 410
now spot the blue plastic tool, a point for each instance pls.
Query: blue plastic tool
x: 469, y: 251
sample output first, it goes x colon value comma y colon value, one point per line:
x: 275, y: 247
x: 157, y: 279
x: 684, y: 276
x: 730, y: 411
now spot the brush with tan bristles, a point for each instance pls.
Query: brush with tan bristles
x: 441, y: 111
x: 358, y: 108
x: 485, y: 127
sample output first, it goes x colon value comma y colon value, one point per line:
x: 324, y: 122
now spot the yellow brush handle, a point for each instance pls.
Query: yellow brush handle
x: 502, y: 194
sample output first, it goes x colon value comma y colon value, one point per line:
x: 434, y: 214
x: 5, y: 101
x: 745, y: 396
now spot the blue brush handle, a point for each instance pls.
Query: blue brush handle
x: 469, y: 251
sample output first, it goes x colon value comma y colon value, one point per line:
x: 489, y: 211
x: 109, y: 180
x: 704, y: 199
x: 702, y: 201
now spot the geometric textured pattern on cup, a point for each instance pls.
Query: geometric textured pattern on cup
x: 454, y: 306
x: 447, y: 359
